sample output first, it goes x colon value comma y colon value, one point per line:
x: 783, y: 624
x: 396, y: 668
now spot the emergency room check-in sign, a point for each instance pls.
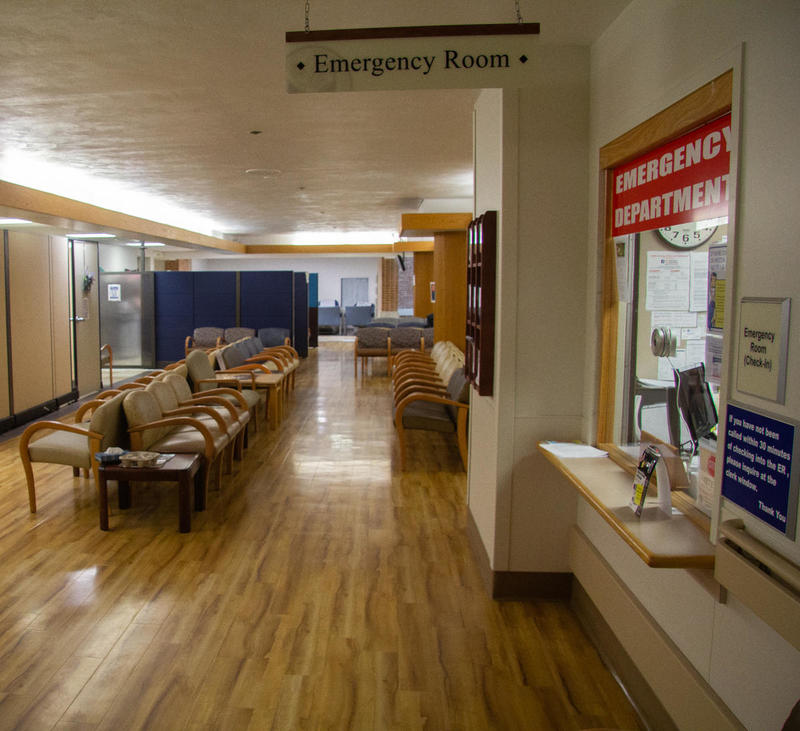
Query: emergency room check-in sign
x: 684, y: 180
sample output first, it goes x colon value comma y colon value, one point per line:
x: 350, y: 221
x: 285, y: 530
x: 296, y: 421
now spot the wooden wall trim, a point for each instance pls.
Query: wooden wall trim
x: 306, y: 249
x: 710, y: 101
x: 56, y: 210
x: 516, y: 585
x: 619, y: 662
x: 427, y: 224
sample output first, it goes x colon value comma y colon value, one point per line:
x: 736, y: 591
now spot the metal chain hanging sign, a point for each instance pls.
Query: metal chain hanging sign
x: 413, y: 57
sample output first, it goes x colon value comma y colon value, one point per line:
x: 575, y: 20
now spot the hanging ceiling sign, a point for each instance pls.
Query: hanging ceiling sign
x: 684, y: 180
x: 427, y: 57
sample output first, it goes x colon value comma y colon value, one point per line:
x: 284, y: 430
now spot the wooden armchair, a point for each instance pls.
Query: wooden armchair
x: 206, y: 380
x: 257, y: 376
x: 150, y: 429
x: 370, y: 342
x: 107, y: 359
x: 205, y: 413
x: 204, y: 338
x: 432, y: 410
x: 76, y: 444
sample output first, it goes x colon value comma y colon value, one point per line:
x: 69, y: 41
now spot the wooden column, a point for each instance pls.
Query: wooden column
x: 450, y: 275
x: 449, y: 269
x: 423, y: 276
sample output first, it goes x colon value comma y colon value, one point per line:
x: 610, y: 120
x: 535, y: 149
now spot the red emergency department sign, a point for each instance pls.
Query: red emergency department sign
x: 684, y: 180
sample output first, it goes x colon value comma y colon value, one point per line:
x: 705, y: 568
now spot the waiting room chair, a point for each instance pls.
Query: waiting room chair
x: 74, y: 445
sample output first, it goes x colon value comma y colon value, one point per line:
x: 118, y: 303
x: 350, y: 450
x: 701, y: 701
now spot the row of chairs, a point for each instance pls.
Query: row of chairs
x: 189, y: 406
x: 335, y: 320
x: 431, y: 392
x: 210, y: 337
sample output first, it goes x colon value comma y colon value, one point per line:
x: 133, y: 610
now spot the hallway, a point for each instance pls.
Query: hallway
x: 321, y: 588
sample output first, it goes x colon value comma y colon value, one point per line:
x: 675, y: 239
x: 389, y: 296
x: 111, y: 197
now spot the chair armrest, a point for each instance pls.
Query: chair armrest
x: 245, y: 376
x: 198, y: 409
x: 424, y: 378
x: 250, y: 367
x: 410, y: 388
x: 235, y: 384
x: 88, y: 406
x: 267, y: 358
x: 223, y: 392
x: 180, y: 421
x: 48, y: 425
x: 431, y: 398
x: 214, y: 401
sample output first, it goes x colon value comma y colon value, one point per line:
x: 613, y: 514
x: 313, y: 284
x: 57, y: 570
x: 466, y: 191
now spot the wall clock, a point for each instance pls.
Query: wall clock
x: 685, y: 235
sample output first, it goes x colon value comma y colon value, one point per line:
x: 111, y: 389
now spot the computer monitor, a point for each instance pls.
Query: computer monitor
x: 695, y: 402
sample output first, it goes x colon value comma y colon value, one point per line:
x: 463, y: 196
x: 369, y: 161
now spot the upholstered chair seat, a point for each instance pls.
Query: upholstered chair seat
x: 150, y: 430
x: 435, y: 411
x: 73, y: 445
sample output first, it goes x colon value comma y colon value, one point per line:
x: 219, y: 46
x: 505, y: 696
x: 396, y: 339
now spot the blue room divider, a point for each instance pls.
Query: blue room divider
x: 174, y: 314
x: 214, y: 299
x: 300, y: 336
x: 266, y: 299
x: 186, y: 300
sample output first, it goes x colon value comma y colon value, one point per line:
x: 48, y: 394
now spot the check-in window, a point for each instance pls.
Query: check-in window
x: 665, y: 270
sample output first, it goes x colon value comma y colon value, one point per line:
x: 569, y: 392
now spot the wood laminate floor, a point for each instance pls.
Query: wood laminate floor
x: 321, y: 589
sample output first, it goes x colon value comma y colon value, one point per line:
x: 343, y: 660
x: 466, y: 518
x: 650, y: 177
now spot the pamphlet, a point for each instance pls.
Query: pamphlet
x: 641, y: 481
x: 571, y: 450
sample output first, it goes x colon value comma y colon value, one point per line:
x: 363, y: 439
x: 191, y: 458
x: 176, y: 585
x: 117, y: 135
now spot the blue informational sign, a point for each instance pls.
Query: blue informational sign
x: 758, y: 467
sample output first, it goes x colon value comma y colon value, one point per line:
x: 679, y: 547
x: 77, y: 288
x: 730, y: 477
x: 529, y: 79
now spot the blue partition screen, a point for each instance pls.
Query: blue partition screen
x: 174, y: 307
x: 300, y: 335
x: 313, y: 289
x: 266, y: 299
x: 214, y: 299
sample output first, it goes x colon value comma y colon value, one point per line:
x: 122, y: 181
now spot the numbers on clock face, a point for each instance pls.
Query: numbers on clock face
x: 686, y: 237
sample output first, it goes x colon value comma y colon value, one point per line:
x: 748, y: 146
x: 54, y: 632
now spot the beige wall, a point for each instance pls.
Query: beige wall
x: 536, y: 160
x: 450, y: 275
x: 5, y: 403
x: 38, y: 299
x: 87, y: 330
x: 744, y: 661
x: 531, y: 162
x: 423, y: 276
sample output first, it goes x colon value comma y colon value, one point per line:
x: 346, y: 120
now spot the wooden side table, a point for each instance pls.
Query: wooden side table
x: 182, y: 468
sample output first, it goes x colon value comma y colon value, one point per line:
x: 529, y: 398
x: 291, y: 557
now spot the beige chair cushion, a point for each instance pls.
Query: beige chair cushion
x: 142, y: 407
x: 183, y: 393
x: 59, y: 447
x: 166, y: 397
x: 200, y: 367
x: 109, y: 420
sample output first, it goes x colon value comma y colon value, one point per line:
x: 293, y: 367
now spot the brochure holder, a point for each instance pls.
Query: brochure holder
x: 663, y: 460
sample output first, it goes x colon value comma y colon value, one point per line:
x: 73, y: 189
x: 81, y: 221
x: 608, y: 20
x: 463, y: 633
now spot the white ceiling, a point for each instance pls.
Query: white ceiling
x: 161, y: 96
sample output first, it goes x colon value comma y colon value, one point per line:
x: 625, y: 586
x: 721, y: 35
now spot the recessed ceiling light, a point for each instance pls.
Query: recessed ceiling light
x: 146, y: 243
x: 13, y: 221
x: 263, y: 172
x: 93, y: 236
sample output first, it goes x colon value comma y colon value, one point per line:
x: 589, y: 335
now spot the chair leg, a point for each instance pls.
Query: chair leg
x: 227, y: 457
x: 401, y: 439
x: 201, y: 486
x: 461, y: 431
x: 26, y: 465
x: 217, y: 470
x: 238, y: 443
